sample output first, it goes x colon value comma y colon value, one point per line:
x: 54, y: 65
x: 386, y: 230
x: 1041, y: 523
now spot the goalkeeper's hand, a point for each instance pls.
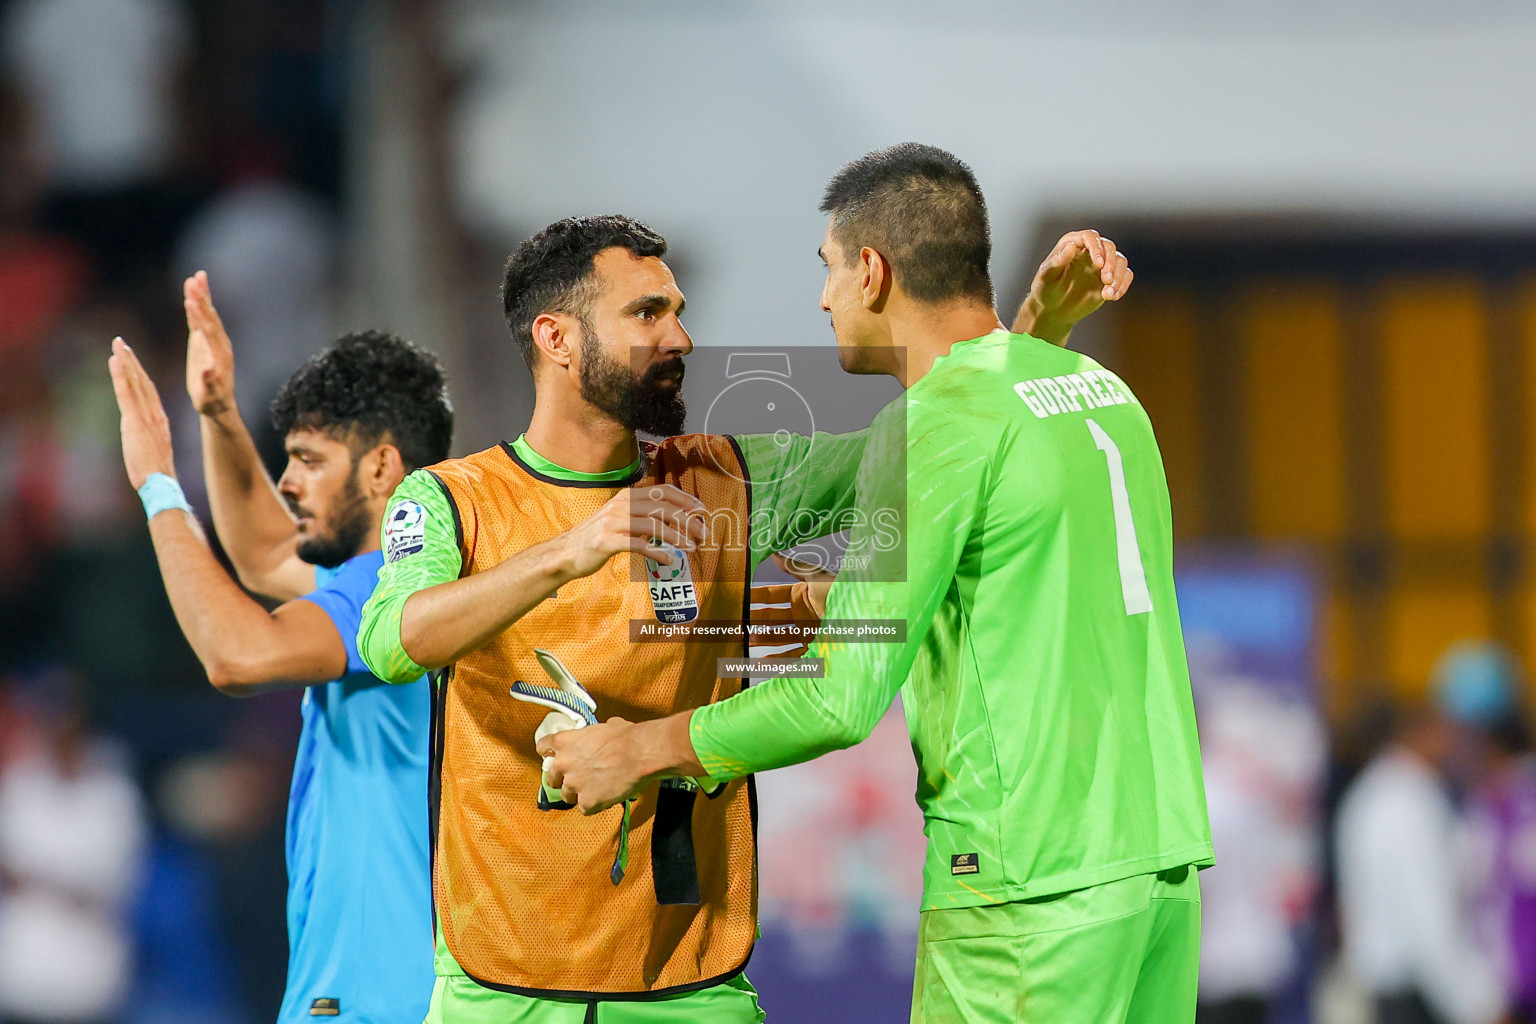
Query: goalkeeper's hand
x: 818, y: 579
x: 555, y: 721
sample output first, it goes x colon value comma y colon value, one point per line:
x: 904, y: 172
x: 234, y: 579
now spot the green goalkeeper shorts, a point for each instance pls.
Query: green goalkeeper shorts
x: 1125, y: 952
x: 458, y: 1000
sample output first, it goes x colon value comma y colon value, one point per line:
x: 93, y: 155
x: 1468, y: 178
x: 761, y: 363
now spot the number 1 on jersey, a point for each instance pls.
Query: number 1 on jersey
x: 1133, y: 578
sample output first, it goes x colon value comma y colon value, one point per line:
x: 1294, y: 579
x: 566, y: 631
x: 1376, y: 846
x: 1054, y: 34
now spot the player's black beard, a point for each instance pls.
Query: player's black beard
x: 638, y: 403
x: 348, y: 527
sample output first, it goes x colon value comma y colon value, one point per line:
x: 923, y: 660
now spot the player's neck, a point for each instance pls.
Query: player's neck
x: 926, y: 333
x: 579, y: 438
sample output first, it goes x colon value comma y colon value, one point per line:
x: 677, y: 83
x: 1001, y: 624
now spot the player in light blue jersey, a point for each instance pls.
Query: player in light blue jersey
x: 357, y: 419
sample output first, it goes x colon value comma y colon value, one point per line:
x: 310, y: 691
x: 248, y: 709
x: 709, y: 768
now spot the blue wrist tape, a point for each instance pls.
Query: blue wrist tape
x: 161, y: 493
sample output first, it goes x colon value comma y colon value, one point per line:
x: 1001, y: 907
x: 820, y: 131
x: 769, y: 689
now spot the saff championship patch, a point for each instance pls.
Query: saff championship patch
x: 673, y: 597
x: 964, y: 864
x: 405, y: 530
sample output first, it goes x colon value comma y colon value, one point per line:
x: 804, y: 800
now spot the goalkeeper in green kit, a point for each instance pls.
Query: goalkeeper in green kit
x: 1042, y: 672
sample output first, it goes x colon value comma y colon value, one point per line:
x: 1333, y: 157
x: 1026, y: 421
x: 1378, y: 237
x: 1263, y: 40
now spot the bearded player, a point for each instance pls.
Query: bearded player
x: 647, y: 914
x: 1043, y: 674
x: 357, y: 419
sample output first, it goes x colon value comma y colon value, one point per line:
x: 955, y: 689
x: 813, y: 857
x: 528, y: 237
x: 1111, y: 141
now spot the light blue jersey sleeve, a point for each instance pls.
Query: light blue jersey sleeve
x: 341, y: 594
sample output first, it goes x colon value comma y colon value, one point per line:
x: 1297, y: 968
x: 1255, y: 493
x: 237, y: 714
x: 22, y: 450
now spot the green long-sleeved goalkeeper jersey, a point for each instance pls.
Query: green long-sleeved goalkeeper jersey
x: 1043, y: 672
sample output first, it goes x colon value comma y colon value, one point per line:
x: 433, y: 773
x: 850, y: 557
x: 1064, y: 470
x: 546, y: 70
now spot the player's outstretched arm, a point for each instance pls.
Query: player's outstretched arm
x: 244, y: 649
x: 249, y: 515
x: 423, y: 615
x: 1083, y: 271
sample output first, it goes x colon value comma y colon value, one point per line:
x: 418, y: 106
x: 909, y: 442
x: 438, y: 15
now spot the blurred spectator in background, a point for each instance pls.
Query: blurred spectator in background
x: 269, y: 245
x: 1406, y: 912
x: 115, y: 115
x: 99, y: 87
x: 42, y: 277
x: 1479, y: 683
x: 1263, y: 748
x: 230, y: 803
x: 72, y: 833
x: 41, y: 274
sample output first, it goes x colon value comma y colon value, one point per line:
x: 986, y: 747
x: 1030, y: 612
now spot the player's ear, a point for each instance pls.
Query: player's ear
x: 554, y: 336
x: 380, y: 470
x: 875, y: 279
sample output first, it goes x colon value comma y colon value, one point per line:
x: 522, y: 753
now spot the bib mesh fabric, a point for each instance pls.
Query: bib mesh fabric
x: 523, y: 895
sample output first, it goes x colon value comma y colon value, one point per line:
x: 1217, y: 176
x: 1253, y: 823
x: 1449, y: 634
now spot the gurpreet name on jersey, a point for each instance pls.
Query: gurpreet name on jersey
x: 1073, y: 392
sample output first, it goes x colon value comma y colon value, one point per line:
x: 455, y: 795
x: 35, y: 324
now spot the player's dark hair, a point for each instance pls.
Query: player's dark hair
x: 552, y: 271
x: 367, y: 388
x: 921, y: 209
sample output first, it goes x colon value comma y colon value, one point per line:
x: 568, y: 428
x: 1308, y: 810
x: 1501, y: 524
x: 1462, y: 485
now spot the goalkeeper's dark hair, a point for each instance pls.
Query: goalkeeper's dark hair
x: 921, y: 209
x: 368, y: 388
x: 552, y: 272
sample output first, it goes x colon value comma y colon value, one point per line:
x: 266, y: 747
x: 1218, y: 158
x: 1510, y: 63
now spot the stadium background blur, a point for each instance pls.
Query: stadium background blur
x: 1330, y: 208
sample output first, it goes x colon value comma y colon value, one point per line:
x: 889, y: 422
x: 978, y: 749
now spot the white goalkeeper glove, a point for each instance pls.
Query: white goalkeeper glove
x: 572, y: 708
